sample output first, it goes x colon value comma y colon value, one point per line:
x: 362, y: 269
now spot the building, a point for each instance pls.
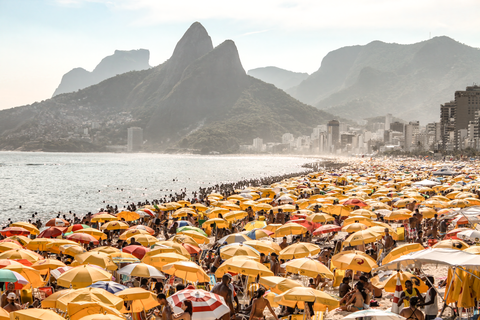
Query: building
x: 287, y: 138
x: 388, y: 121
x: 466, y: 104
x: 411, y: 129
x: 333, y: 129
x: 258, y: 144
x: 397, y: 126
x: 134, y: 139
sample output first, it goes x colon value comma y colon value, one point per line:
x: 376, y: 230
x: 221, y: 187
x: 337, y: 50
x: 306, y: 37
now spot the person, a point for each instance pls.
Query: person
x: 356, y: 300
x: 284, y: 243
x: 388, y: 241
x: 344, y: 287
x: 187, y: 308
x: 442, y: 228
x: 434, y: 226
x: 167, y: 310
x: 408, y: 293
x: 259, y: 304
x: 274, y: 265
x: 226, y: 290
x: 11, y: 305
x: 431, y: 303
x: 412, y: 312
x: 10, y: 289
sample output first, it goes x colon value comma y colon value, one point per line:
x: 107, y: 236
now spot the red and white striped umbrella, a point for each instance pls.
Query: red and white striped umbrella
x: 57, y: 222
x: 206, y: 305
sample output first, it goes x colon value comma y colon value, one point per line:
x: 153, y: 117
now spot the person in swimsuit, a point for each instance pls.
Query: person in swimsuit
x: 357, y: 299
x: 408, y: 294
x: 258, y: 306
x: 412, y: 312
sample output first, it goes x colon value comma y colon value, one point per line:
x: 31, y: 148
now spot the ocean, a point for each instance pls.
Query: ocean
x: 48, y: 183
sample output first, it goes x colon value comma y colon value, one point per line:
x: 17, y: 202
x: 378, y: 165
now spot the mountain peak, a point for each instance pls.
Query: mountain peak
x: 195, y: 43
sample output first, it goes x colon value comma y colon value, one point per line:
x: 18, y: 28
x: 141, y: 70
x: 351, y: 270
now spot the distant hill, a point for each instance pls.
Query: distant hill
x: 280, y: 78
x: 409, y: 81
x: 200, y: 98
x: 118, y: 63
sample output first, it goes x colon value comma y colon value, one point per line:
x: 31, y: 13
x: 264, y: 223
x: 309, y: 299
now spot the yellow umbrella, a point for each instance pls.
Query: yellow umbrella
x: 213, y: 213
x: 355, y: 260
x: 33, y: 276
x: 363, y: 213
x: 50, y: 302
x: 5, y: 246
x: 98, y: 259
x: 397, y: 215
x: 238, y: 249
x: 54, y: 246
x: 39, y: 244
x: 123, y: 257
x: 278, y: 285
x: 82, y: 276
x: 458, y: 203
x: 388, y: 281
x: 187, y: 270
x: 97, y: 234
x: 262, y: 246
x: 4, y: 315
x: 290, y: 229
x: 182, y: 238
x: 183, y: 212
x: 308, y: 267
x: 25, y: 225
x: 235, y: 215
x: 141, y: 299
x: 427, y: 213
x: 78, y: 310
x: 320, y: 217
x: 128, y: 216
x: 102, y: 317
x: 89, y: 295
x: 71, y: 249
x: 177, y: 246
x: 273, y: 227
x: 199, y: 207
x: 21, y: 239
x: 49, y: 264
x: 198, y: 237
x: 338, y: 210
x: 104, y: 217
x: 299, y: 250
x: 247, y: 267
x: 257, y: 224
x: 114, y: 225
x: 357, y: 219
x: 145, y: 240
x: 362, y: 237
x: 132, y: 232
x: 263, y: 206
x: 435, y: 203
x: 35, y: 314
x: 299, y: 295
x: 219, y: 222
x: 19, y: 254
x: 473, y: 249
x: 354, y: 227
x: 106, y: 249
x: 147, y: 257
x: 161, y: 259
x: 451, y: 244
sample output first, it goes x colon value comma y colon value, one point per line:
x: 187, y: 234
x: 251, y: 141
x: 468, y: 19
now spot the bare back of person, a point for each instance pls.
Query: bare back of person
x: 412, y: 314
x: 224, y: 291
x: 259, y: 305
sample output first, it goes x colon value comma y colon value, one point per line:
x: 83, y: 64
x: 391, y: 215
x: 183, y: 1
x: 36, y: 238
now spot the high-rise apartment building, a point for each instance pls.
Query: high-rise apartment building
x: 134, y: 139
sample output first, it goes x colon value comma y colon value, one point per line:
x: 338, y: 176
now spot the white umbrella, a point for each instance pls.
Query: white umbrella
x: 206, y: 305
x: 375, y: 314
x: 472, y: 235
x: 141, y: 270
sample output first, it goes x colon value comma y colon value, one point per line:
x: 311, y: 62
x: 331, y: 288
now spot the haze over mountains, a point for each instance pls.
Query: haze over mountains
x: 199, y: 98
x: 118, y: 63
x: 281, y: 78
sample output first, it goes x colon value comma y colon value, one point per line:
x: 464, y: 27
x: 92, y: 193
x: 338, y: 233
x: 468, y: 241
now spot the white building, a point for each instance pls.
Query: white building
x: 388, y: 120
x: 134, y: 139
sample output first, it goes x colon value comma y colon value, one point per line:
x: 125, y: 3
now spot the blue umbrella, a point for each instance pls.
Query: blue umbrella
x: 110, y: 286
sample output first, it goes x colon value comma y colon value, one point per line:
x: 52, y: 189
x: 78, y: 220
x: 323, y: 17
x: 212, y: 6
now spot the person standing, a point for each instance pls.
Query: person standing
x: 11, y: 305
x: 258, y: 306
x: 431, y: 303
x: 167, y: 310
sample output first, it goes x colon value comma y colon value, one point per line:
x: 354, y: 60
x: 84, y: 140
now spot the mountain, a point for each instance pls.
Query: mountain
x: 281, y: 78
x: 200, y: 98
x: 118, y: 63
x: 409, y: 81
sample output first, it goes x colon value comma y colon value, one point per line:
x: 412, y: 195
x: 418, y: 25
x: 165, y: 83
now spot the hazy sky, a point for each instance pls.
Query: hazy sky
x: 40, y: 40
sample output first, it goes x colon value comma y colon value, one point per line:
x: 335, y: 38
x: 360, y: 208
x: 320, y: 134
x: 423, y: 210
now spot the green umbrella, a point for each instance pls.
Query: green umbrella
x: 186, y: 228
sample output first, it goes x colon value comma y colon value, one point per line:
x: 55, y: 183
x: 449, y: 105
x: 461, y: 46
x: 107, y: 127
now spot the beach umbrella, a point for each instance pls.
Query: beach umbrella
x: 142, y: 227
x: 198, y: 237
x: 82, y: 276
x: 258, y: 224
x: 338, y: 210
x: 4, y: 315
x: 25, y: 225
x: 175, y: 245
x: 258, y: 234
x: 137, y: 251
x: 12, y: 242
x: 353, y: 259
x: 320, y: 218
x: 388, y: 281
x: 97, y: 258
x: 473, y: 249
x: 458, y: 203
x: 102, y: 317
x: 381, y: 230
x: 299, y: 250
x: 52, y: 232
x: 35, y: 314
x: 128, y: 216
x: 106, y: 249
x: 114, y: 225
x: 50, y: 302
x: 48, y: 264
x: 89, y: 295
x: 374, y: 314
x: 39, y: 244
x: 247, y: 267
x: 234, y: 238
x: 7, y: 262
x: 186, y: 270
x: 238, y: 249
x: 97, y: 234
x: 157, y: 250
x: 235, y: 215
x: 80, y: 310
x: 362, y: 237
x: 290, y: 229
x: 145, y: 240
x: 308, y: 267
x: 21, y: 239
x: 354, y: 227
x: 132, y: 232
x: 33, y: 276
x: 427, y: 213
x: 435, y: 203
x: 76, y: 227
x: 110, y: 286
x: 272, y: 227
x: 355, y: 203
x: 451, y: 244
x: 123, y: 257
x: 5, y: 246
x: 184, y: 239
x: 141, y: 299
x: 161, y: 259
x: 263, y: 206
x: 141, y: 270
x: 184, y: 212
x: 357, y: 219
x: 363, y: 213
x: 54, y: 245
x: 57, y: 222
x: 191, y: 249
x: 19, y: 254
x: 206, y: 305
x: 328, y: 228
x: 472, y: 235
x: 103, y: 217
x: 262, y: 246
x: 199, y: 207
x: 71, y: 249
x: 278, y: 285
x: 14, y: 231
x: 299, y: 295
x: 397, y: 215
x: 82, y: 238
x: 59, y: 271
x: 12, y: 276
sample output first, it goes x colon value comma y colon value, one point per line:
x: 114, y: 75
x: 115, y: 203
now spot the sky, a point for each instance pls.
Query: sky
x: 41, y: 40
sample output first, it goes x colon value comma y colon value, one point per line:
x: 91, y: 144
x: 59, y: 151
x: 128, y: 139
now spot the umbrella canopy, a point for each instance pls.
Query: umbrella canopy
x: 141, y: 270
x: 259, y: 233
x: 39, y: 244
x: 123, y: 257
x: 161, y: 259
x: 76, y: 227
x: 25, y: 225
x: 451, y: 244
x: 137, y: 251
x: 247, y: 267
x: 177, y: 246
x: 388, y: 281
x: 234, y: 238
x: 128, y: 216
x: 14, y: 231
x: 89, y: 295
x: 79, y: 310
x: 184, y: 239
x: 82, y: 276
x: 52, y: 232
x: 50, y: 302
x: 238, y: 249
x: 258, y: 224
x: 235, y: 215
x: 357, y: 219
x: 354, y: 227
x: 110, y: 286
x: 355, y: 260
x: 97, y: 258
x: 55, y: 244
x: 48, y: 264
x: 4, y: 315
x: 262, y: 246
x: 82, y: 238
x: 320, y: 218
x: 187, y: 270
x: 21, y: 239
x: 290, y: 229
x: 57, y: 222
x: 206, y: 305
x: 71, y: 249
x: 104, y: 217
x: 35, y: 314
x: 326, y: 229
x: 278, y: 285
x: 20, y: 254
x: 402, y: 250
x: 375, y: 314
x: 299, y: 250
x: 7, y: 262
x: 7, y: 275
x: 114, y: 225
x: 97, y: 234
x: 145, y: 240
x: 141, y: 299
x: 308, y: 267
x: 355, y: 203
x: 362, y: 237
x: 102, y: 317
x: 5, y: 246
x: 197, y: 236
x: 299, y: 295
